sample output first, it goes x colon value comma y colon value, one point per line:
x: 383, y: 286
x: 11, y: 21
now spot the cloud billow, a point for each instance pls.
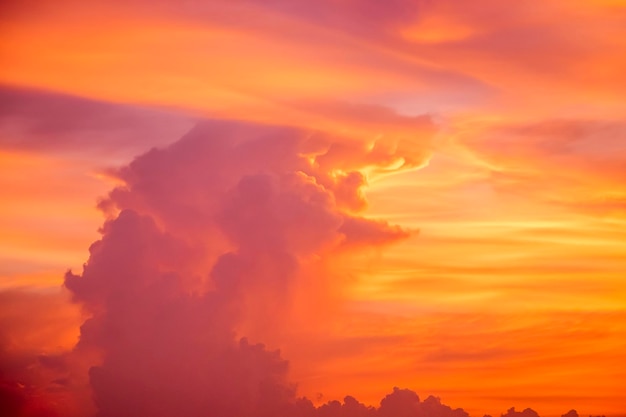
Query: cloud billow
x: 206, y: 239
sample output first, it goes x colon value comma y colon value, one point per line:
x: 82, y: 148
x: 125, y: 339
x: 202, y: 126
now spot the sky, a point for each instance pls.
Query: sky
x: 339, y: 208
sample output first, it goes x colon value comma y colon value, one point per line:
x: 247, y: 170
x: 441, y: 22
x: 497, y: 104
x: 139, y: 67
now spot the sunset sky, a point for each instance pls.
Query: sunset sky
x: 423, y: 194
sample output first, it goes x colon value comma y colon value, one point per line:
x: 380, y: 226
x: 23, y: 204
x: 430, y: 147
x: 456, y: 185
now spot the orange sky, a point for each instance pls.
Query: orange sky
x: 512, y: 293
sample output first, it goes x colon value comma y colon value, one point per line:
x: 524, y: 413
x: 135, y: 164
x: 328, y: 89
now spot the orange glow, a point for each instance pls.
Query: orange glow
x: 32, y: 244
x: 437, y: 30
x: 495, y: 133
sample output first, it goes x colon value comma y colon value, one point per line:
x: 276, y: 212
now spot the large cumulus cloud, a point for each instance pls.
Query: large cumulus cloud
x: 205, y: 243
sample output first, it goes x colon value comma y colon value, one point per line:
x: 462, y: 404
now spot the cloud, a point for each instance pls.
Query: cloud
x: 528, y: 412
x: 406, y: 403
x: 563, y: 162
x: 227, y: 238
x: 40, y: 121
x: 36, y: 328
x: 206, y: 50
x: 209, y: 247
x: 205, y: 244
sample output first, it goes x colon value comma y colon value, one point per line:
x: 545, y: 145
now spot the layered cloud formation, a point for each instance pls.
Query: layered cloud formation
x: 241, y: 267
x: 207, y: 241
x: 212, y: 237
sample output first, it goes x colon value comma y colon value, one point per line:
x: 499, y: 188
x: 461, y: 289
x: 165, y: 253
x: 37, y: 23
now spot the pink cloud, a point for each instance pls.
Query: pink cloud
x: 206, y: 242
x: 208, y: 237
x: 45, y: 122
